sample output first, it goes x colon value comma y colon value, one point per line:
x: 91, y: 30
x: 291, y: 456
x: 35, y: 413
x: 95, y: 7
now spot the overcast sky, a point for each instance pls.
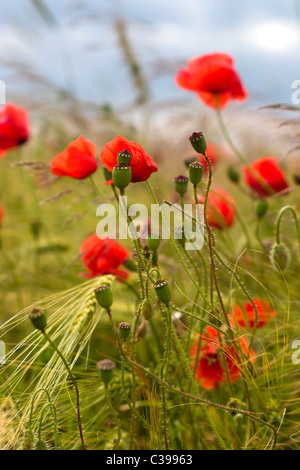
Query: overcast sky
x: 79, y: 50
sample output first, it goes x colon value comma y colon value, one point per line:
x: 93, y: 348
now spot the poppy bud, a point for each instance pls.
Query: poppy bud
x: 153, y: 241
x: 104, y: 296
x: 261, y: 208
x: 198, y: 142
x: 124, y: 157
x: 162, y: 291
x: 107, y: 174
x: 130, y: 265
x: 280, y: 256
x: 106, y: 370
x: 147, y: 309
x: 233, y: 175
x: 181, y: 184
x: 190, y: 160
x: 195, y: 173
x: 38, y: 318
x: 121, y: 175
x: 124, y: 330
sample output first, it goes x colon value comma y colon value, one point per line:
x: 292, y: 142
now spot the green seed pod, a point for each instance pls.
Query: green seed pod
x: 198, y: 142
x: 280, y: 256
x: 121, y: 175
x: 162, y: 291
x: 104, y: 296
x: 190, y: 160
x: 107, y: 174
x: 153, y: 241
x: 106, y: 370
x: 38, y: 318
x: 261, y: 208
x: 181, y: 184
x: 124, y: 330
x: 147, y: 309
x: 195, y: 173
x: 130, y: 265
x: 233, y: 175
x: 124, y: 157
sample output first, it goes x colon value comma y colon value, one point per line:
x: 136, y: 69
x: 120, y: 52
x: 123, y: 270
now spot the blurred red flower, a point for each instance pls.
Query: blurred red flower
x: 265, y: 177
x: 213, y: 78
x: 103, y: 256
x: 14, y: 127
x: 1, y: 216
x: 220, y: 210
x: 209, y: 370
x: 141, y: 164
x: 245, y: 315
x: 78, y: 160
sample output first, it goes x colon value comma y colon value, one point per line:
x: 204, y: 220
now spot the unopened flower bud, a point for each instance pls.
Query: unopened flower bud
x: 162, y: 291
x: 121, y: 175
x: 124, y: 330
x: 181, y: 184
x: 195, y: 173
x: 130, y: 265
x: 104, y: 296
x: 124, y: 157
x: 261, y: 208
x: 280, y: 256
x: 106, y: 370
x: 153, y: 241
x: 38, y: 318
x: 233, y: 174
x: 147, y: 309
x: 198, y: 142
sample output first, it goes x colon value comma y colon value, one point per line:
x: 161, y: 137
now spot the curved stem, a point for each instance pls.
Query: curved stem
x: 280, y: 215
x: 115, y: 415
x: 75, y: 386
x: 215, y: 279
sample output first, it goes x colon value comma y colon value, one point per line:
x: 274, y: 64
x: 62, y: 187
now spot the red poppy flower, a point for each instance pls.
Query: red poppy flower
x: 265, y: 177
x: 1, y: 216
x: 244, y: 315
x: 211, y: 153
x: 14, y: 127
x: 141, y: 164
x: 213, y: 78
x: 220, y: 210
x: 209, y: 371
x: 103, y: 256
x: 78, y: 160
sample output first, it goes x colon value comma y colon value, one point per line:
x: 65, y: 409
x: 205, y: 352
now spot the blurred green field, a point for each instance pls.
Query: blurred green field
x: 38, y: 267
